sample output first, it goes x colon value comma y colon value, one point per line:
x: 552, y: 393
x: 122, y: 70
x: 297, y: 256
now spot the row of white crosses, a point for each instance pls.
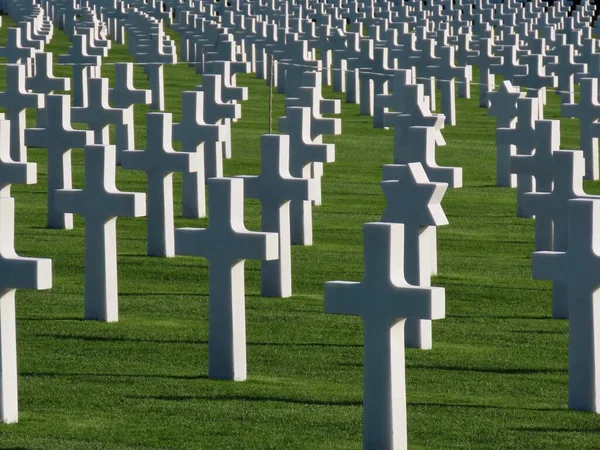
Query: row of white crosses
x: 550, y: 188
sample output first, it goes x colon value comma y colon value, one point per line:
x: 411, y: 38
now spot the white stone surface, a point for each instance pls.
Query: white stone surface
x: 197, y: 136
x: 579, y: 268
x: 275, y: 188
x: 503, y: 106
x: 524, y: 139
x: 16, y: 100
x: 159, y: 161
x: 226, y: 243
x: 539, y: 164
x: 415, y: 202
x: 550, y: 208
x: 100, y: 203
x: 84, y: 66
x: 303, y: 152
x: 12, y: 172
x: 58, y: 138
x: 98, y: 115
x: 384, y: 300
x: 44, y: 82
x: 16, y: 273
x: 588, y: 113
x: 125, y: 95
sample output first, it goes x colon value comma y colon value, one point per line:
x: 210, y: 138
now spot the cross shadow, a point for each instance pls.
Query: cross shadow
x: 109, y: 375
x: 471, y: 316
x: 187, y: 341
x: 247, y: 398
x: 497, y: 370
x: 594, y: 430
x: 468, y: 405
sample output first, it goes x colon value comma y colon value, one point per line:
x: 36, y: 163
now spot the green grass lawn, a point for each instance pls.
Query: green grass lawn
x: 496, y: 377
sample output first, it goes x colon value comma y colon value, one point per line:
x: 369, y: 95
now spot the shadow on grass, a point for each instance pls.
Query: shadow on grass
x: 247, y: 398
x: 109, y: 375
x: 491, y: 370
x: 187, y: 341
x: 494, y: 370
x: 473, y: 316
x: 595, y: 430
x: 468, y: 405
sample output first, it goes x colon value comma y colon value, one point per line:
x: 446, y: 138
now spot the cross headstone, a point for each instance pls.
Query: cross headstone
x: 415, y: 202
x: 16, y: 273
x: 503, y: 105
x: 12, y: 171
x: 384, y: 300
x: 588, y: 113
x: 84, y: 66
x: 44, y: 82
x: 578, y: 267
x: 485, y: 61
x: 275, y: 188
x: 15, y: 52
x: 226, y: 243
x: 539, y: 165
x: 125, y: 95
x: 565, y: 69
x: 100, y: 203
x: 97, y: 114
x: 536, y: 80
x: 196, y: 136
x: 523, y: 137
x: 216, y: 111
x: 303, y: 152
x: 58, y: 138
x: 550, y: 208
x: 16, y: 100
x: 159, y: 161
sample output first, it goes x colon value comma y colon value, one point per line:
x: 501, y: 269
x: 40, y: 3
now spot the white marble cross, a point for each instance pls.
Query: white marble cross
x: 579, y: 268
x: 196, y: 136
x: 97, y: 114
x: 84, y: 65
x: 303, y: 152
x: 15, y: 273
x: 485, y: 61
x: 12, y: 172
x: 58, y: 138
x: 44, y: 82
x: 503, y: 105
x: 536, y: 80
x: 539, y: 165
x: 415, y: 202
x: 15, y: 52
x: 100, y: 203
x: 226, y: 243
x: 415, y: 138
x: 524, y: 138
x: 384, y: 300
x: 216, y: 111
x: 125, y: 95
x: 159, y: 161
x: 309, y: 95
x: 565, y: 69
x: 550, y: 208
x: 405, y: 95
x: 16, y: 100
x: 588, y: 113
x: 418, y: 116
x: 275, y: 188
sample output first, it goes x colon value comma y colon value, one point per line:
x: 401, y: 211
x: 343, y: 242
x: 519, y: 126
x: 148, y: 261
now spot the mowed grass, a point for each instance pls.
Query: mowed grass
x: 496, y: 377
